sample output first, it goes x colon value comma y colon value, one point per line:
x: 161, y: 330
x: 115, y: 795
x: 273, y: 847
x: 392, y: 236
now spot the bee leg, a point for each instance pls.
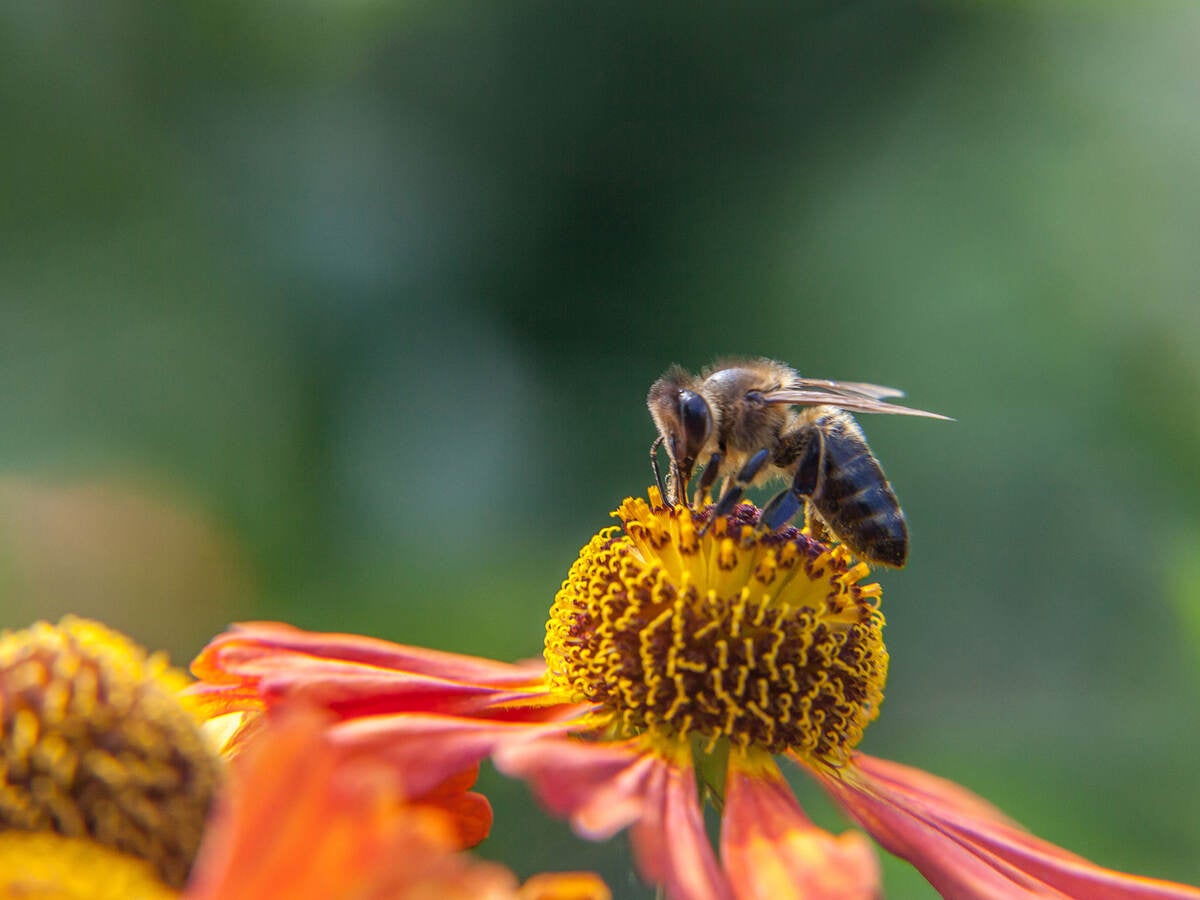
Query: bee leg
x: 662, y: 488
x: 678, y: 485
x: 781, y: 509
x: 734, y: 492
x: 707, y: 479
x: 783, y: 506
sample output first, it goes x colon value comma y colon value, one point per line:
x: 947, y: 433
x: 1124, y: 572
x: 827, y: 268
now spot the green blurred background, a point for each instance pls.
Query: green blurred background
x: 344, y: 314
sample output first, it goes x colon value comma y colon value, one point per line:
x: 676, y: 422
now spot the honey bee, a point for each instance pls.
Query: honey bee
x: 739, y: 419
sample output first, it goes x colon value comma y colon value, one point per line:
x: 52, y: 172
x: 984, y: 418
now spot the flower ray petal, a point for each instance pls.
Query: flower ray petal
x: 429, y: 749
x: 255, y: 666
x: 255, y: 637
x: 565, y: 886
x: 966, y: 848
x: 771, y: 849
x: 669, y: 841
x: 470, y: 813
x: 307, y: 820
x: 602, y: 788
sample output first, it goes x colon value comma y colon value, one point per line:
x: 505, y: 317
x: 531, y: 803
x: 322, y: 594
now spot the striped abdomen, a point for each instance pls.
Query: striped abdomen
x: 854, y: 499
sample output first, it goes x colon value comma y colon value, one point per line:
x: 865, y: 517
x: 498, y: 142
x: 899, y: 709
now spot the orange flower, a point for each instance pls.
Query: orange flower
x: 680, y: 664
x: 304, y: 818
x: 109, y: 789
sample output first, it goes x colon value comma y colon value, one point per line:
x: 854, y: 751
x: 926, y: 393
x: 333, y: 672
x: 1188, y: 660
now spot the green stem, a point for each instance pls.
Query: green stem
x: 711, y: 767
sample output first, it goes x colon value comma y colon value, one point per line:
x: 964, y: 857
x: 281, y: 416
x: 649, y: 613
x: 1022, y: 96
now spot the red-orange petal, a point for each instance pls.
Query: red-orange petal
x: 600, y: 788
x: 604, y: 787
x: 256, y: 666
x: 670, y: 843
x: 966, y: 848
x: 367, y: 651
x: 302, y: 819
x: 428, y: 749
x: 772, y: 850
x: 470, y: 812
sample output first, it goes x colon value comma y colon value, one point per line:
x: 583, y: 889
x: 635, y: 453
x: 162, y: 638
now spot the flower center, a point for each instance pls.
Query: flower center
x: 764, y: 638
x: 96, y: 746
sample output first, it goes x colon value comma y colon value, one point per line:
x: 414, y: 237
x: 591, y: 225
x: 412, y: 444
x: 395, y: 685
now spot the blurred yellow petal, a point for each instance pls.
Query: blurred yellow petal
x: 565, y: 886
x: 47, y: 866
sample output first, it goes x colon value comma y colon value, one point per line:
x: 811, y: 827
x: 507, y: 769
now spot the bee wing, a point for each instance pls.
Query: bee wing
x: 853, y: 396
x: 875, y: 391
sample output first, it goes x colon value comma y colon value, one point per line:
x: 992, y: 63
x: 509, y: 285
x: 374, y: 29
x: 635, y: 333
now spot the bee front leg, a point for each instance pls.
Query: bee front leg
x: 711, y: 470
x: 662, y: 488
x: 783, y: 506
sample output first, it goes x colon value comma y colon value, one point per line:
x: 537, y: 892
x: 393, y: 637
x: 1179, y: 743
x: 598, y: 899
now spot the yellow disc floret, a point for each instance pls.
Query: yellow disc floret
x: 766, y: 639
x: 95, y: 745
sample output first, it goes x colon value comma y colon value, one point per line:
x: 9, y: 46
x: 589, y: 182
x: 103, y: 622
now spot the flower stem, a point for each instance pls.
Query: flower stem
x: 711, y: 761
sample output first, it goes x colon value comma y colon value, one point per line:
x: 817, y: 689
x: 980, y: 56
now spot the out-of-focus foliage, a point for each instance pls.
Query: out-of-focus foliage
x: 344, y: 313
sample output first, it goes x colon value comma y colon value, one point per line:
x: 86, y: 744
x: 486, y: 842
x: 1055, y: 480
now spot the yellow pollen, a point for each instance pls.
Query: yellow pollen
x: 95, y: 746
x: 764, y: 639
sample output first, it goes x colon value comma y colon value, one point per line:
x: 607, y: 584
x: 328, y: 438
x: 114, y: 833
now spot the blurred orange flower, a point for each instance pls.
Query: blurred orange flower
x: 680, y: 663
x: 109, y: 789
x: 304, y: 818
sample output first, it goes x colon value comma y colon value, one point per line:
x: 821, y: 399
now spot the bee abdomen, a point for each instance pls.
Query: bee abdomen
x: 857, y: 502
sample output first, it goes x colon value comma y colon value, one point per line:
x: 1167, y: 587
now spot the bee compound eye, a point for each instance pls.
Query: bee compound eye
x: 696, y: 419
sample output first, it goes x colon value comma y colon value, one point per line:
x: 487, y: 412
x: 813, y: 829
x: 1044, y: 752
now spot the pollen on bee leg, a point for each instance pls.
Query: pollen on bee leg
x: 762, y: 639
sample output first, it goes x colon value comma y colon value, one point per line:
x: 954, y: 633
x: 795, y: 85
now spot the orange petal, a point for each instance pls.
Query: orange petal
x: 771, y: 849
x: 428, y: 749
x: 304, y: 820
x: 604, y: 787
x: 968, y: 849
x: 470, y: 813
x: 669, y: 841
x: 367, y: 651
x: 255, y: 666
x: 565, y: 886
x: 600, y: 787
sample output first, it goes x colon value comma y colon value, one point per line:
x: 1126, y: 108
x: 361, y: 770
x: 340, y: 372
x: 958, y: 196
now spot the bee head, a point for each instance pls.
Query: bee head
x: 683, y: 419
